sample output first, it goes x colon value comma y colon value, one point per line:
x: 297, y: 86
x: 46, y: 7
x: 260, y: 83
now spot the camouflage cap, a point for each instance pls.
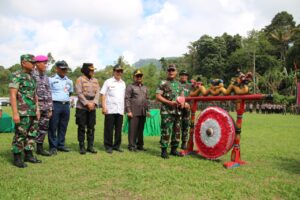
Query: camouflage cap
x: 117, y: 67
x: 183, y: 72
x: 27, y: 57
x: 171, y: 66
x: 137, y: 72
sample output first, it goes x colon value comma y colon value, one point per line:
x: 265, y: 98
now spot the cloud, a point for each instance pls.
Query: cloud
x: 100, y: 30
x: 76, y: 43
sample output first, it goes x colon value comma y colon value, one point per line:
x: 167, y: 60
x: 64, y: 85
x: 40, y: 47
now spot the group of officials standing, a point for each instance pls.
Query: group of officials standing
x: 41, y: 105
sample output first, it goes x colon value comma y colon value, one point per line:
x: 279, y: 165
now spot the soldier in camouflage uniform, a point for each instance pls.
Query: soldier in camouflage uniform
x: 186, y: 111
x: 25, y: 111
x: 167, y: 92
x: 88, y: 91
x: 45, y: 101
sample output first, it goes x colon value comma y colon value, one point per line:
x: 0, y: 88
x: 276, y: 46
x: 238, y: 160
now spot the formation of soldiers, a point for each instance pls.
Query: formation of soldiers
x: 41, y: 105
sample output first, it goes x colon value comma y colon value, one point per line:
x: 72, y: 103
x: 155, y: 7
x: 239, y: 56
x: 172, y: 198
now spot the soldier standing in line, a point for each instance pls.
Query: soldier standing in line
x: 87, y: 89
x: 167, y: 92
x: 24, y: 104
x: 45, y: 101
x: 186, y: 112
x: 137, y: 107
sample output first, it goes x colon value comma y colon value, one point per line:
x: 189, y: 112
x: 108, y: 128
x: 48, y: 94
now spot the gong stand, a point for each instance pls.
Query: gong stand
x: 240, y: 109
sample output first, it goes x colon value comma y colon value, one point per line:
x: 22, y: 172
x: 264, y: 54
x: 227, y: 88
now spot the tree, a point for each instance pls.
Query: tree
x: 280, y: 33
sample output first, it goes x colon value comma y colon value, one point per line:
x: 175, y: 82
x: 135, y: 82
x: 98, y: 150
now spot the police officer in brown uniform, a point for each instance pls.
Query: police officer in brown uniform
x: 136, y: 107
x: 87, y: 89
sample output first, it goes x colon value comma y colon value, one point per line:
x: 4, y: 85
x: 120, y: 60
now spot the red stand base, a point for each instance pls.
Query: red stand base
x: 235, y: 159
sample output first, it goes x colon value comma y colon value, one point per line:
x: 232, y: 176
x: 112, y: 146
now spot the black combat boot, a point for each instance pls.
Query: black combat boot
x: 18, y: 161
x: 30, y: 158
x: 91, y: 148
x: 183, y: 145
x: 90, y: 139
x: 82, y: 148
x: 40, y: 150
x: 174, y: 152
x: 164, y: 153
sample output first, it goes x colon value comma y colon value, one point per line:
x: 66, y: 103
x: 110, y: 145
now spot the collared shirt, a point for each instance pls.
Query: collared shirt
x: 114, y: 91
x: 43, y: 90
x: 61, y: 88
x: 136, y: 99
x: 87, y: 91
x: 26, y: 86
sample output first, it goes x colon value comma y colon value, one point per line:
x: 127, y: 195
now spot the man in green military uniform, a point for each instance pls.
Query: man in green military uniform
x: 23, y: 99
x: 167, y: 92
x: 186, y: 111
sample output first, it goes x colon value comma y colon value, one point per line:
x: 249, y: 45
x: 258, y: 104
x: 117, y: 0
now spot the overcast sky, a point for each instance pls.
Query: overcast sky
x: 99, y: 31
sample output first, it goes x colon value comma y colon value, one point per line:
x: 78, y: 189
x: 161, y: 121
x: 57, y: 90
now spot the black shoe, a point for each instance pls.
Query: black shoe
x: 18, y: 162
x: 132, y: 149
x: 30, y: 158
x: 53, y: 151
x: 141, y: 149
x: 118, y: 149
x: 164, y: 153
x: 40, y: 150
x: 82, y: 148
x: 63, y: 149
x: 91, y: 150
x: 108, y: 150
x: 174, y: 152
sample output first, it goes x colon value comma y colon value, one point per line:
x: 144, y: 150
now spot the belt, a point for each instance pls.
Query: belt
x: 61, y: 102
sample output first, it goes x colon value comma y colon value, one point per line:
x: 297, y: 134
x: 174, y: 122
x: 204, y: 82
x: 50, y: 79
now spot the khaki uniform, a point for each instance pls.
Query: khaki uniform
x: 87, y: 91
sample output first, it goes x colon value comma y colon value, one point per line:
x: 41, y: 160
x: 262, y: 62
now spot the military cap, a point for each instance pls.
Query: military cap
x: 27, y: 57
x: 41, y: 58
x: 137, y: 72
x: 171, y: 66
x: 183, y: 72
x: 117, y: 67
x: 61, y: 64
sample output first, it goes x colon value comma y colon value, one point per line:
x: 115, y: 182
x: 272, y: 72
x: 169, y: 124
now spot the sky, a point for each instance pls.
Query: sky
x: 99, y: 31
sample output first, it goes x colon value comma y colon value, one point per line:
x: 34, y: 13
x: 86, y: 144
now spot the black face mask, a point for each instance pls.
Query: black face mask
x: 86, y: 72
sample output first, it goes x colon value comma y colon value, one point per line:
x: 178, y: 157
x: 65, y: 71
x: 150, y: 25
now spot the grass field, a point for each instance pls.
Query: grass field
x: 270, y: 144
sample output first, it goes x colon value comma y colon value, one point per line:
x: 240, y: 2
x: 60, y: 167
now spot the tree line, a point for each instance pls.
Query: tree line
x: 272, y: 54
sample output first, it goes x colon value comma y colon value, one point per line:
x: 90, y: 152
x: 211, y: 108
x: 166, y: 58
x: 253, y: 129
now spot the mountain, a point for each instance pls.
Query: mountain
x: 147, y: 61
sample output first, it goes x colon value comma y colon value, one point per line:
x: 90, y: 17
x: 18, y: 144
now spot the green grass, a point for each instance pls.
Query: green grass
x: 270, y: 144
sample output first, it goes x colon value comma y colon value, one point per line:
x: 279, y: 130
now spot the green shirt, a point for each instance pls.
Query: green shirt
x: 26, y: 92
x: 170, y: 90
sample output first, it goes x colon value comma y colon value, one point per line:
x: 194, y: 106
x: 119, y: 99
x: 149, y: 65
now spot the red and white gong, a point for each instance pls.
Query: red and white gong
x: 214, y: 133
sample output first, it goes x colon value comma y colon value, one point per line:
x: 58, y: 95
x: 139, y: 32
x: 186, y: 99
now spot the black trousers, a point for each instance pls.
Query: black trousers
x: 135, y: 133
x: 112, y: 122
x: 85, y: 120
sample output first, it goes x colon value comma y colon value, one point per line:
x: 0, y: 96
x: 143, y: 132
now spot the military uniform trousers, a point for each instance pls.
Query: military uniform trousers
x: 185, y: 123
x: 86, y: 121
x: 136, y: 131
x: 170, y: 126
x: 25, y: 134
x: 111, y: 122
x: 43, y: 126
x: 58, y: 125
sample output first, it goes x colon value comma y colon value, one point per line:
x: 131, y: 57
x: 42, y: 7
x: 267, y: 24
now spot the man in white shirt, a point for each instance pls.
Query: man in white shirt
x: 112, y: 99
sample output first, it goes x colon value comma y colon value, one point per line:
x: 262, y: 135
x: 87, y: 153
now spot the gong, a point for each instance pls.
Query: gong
x: 214, y: 133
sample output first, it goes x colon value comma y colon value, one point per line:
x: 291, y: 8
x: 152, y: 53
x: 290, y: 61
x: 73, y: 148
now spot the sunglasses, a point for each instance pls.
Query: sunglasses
x: 119, y: 71
x: 139, y: 75
x: 171, y: 70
